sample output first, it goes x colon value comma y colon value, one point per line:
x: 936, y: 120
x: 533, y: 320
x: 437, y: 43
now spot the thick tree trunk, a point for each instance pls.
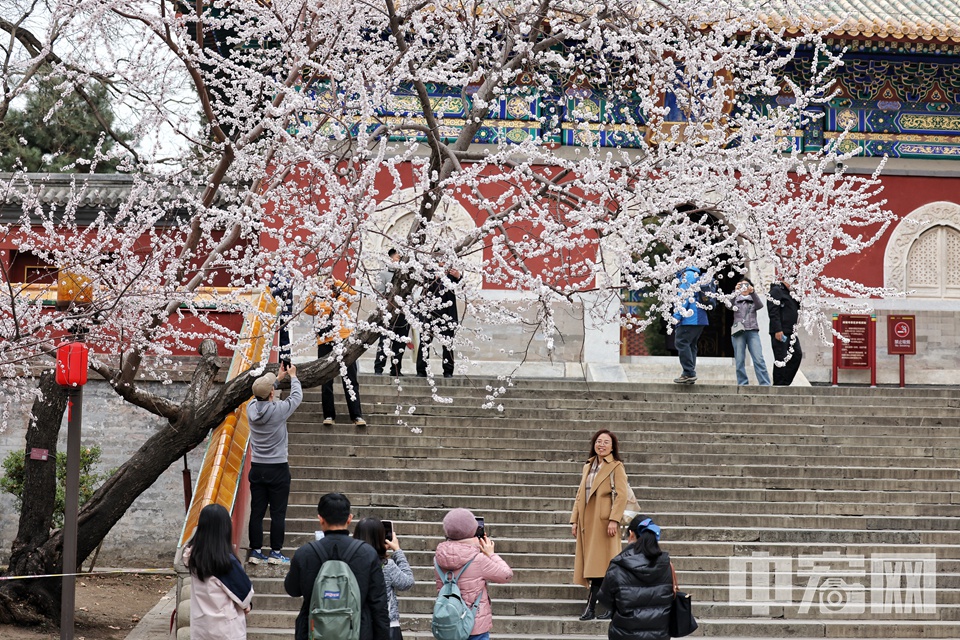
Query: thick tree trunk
x: 36, y: 601
x: 32, y: 602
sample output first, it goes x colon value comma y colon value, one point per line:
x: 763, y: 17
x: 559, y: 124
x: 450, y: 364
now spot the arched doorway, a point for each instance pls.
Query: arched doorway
x: 655, y: 341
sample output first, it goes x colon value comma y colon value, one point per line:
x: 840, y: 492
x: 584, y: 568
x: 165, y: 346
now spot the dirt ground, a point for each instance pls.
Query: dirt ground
x: 108, y: 607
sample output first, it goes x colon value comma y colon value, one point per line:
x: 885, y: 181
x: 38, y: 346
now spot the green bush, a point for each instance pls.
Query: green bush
x: 12, y: 480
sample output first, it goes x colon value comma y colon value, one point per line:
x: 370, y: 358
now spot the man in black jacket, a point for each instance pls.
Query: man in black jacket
x: 784, y: 310
x: 333, y: 511
x: 441, y: 319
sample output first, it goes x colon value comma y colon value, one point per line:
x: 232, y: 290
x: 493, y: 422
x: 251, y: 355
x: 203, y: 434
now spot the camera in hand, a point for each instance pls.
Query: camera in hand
x: 481, y: 531
x: 388, y: 529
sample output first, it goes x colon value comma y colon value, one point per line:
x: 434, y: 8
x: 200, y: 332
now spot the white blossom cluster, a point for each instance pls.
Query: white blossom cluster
x: 288, y: 134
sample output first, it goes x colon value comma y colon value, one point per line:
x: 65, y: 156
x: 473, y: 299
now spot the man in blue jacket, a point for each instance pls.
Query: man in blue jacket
x: 691, y: 319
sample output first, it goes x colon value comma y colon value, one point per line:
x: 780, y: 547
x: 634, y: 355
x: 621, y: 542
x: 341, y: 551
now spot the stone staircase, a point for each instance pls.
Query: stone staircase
x: 776, y: 504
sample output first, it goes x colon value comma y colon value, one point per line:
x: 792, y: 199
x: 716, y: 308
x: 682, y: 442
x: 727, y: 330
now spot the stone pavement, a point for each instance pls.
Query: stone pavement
x: 156, y: 623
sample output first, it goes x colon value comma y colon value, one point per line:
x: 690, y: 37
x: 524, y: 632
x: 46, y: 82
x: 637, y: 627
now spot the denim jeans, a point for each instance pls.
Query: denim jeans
x: 480, y: 636
x: 685, y: 340
x: 743, y: 341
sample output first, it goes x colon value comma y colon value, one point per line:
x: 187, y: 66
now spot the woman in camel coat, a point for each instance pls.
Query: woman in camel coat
x: 595, y: 521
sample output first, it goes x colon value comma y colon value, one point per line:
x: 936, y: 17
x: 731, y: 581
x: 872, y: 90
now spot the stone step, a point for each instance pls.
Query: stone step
x: 546, y: 386
x: 497, y: 426
x: 641, y: 476
x: 556, y: 531
x: 309, y: 489
x: 570, y: 446
x: 706, y: 457
x: 529, y: 601
x: 559, y: 471
x: 557, y: 567
x: 697, y: 454
x: 657, y: 413
x: 713, y: 588
x: 547, y: 627
x: 444, y: 459
x: 700, y: 541
x: 515, y: 401
x: 540, y: 511
x: 567, y: 445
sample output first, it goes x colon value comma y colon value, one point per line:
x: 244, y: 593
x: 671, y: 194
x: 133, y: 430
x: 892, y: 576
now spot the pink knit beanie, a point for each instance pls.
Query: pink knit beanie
x: 459, y: 524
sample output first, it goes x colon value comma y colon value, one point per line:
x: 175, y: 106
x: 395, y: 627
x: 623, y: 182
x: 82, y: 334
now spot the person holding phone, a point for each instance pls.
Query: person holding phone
x: 397, y: 573
x: 745, y: 333
x: 269, y: 475
x: 463, y: 545
x: 595, y: 521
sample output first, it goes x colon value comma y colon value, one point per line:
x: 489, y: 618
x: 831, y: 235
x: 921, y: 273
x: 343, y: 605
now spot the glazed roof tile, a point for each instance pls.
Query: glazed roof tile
x: 912, y: 19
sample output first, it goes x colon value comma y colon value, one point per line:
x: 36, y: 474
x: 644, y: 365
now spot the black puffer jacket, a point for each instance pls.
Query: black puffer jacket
x: 783, y: 309
x: 640, y: 595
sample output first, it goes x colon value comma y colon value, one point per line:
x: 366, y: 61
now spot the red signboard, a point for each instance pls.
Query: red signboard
x: 855, y: 353
x: 856, y: 345
x: 902, y: 335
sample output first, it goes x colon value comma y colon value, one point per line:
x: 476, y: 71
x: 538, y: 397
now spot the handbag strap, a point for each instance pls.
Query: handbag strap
x: 673, y: 573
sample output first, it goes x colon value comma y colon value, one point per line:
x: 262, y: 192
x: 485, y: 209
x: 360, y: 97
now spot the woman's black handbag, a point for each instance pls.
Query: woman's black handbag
x: 682, y: 622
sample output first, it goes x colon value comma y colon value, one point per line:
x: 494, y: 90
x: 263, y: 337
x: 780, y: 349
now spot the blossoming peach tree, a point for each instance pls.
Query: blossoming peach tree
x: 563, y: 149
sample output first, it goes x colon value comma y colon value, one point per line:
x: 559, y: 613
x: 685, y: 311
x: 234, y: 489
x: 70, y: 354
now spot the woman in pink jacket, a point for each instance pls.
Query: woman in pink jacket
x: 220, y: 591
x: 461, y: 546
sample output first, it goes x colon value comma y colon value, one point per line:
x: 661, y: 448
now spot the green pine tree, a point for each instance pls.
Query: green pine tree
x: 71, y: 133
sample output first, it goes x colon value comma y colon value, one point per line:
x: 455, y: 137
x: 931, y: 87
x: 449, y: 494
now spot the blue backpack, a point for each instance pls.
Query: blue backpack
x: 452, y: 618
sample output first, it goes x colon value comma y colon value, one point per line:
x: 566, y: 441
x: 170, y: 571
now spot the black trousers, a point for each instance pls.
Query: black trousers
x: 423, y: 353
x: 285, y: 338
x: 326, y: 391
x: 402, y: 328
x: 783, y: 376
x: 269, y: 485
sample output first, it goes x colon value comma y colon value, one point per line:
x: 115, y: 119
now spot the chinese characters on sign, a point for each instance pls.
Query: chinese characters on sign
x: 837, y: 584
x: 855, y: 344
x: 854, y: 354
x: 901, y: 335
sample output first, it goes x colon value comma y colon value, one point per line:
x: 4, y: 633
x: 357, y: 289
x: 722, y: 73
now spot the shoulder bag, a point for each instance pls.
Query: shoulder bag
x: 633, y: 507
x: 682, y: 623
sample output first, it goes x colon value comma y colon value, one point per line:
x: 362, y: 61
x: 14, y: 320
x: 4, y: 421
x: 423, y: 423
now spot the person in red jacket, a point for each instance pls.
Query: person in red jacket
x: 461, y: 546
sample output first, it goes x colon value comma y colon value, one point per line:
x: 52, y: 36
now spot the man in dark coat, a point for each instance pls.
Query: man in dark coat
x: 784, y: 310
x: 441, y: 319
x: 398, y: 325
x: 333, y: 511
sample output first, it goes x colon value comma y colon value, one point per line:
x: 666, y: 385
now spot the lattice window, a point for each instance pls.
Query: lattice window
x: 933, y: 264
x: 951, y: 266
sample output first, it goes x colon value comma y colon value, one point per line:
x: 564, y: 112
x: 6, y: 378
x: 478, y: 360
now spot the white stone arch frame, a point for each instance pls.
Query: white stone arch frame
x: 907, y: 231
x: 400, y: 204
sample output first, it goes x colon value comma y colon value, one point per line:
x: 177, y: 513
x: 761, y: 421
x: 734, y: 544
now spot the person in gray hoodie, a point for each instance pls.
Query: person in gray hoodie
x: 745, y: 333
x: 269, y: 472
